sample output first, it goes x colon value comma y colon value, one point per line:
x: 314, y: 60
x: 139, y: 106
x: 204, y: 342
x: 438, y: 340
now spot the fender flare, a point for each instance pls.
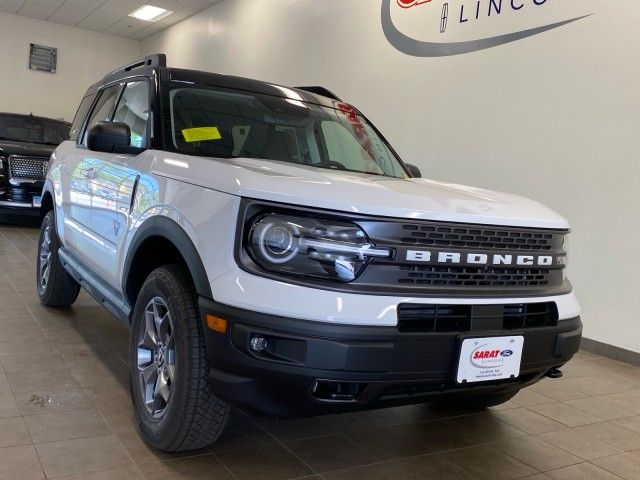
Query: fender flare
x: 168, y: 229
x: 47, y: 188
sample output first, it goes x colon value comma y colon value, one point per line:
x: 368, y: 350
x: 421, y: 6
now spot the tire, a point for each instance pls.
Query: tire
x: 482, y: 402
x: 176, y: 411
x: 56, y: 288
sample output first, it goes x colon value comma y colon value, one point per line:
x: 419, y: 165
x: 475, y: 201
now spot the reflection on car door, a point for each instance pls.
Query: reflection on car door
x: 78, y: 172
x: 112, y: 181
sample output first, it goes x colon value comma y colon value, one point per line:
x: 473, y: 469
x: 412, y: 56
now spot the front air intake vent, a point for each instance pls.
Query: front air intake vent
x: 474, y: 277
x: 417, y: 317
x: 414, y: 317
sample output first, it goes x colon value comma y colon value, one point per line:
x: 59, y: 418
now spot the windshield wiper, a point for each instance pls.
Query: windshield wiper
x: 372, y: 173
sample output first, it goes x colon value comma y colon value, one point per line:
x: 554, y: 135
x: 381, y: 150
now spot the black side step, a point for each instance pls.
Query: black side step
x: 106, y: 295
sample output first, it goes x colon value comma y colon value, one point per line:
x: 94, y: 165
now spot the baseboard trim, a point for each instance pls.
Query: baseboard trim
x: 611, y: 351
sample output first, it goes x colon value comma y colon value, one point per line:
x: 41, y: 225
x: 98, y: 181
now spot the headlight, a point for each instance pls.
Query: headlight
x: 301, y: 246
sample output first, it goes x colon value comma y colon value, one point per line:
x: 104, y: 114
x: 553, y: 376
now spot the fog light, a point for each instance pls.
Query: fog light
x: 258, y: 344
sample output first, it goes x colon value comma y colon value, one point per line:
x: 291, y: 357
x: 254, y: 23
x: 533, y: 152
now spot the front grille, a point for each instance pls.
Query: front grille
x: 462, y: 236
x: 28, y: 167
x: 416, y: 317
x: 473, y: 276
x: 503, y: 271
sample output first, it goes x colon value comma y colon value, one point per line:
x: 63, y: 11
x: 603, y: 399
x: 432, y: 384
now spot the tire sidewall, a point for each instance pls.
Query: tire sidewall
x: 160, y: 432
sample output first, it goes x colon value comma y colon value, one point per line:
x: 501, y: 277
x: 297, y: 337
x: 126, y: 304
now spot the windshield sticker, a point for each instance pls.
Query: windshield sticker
x: 357, y: 126
x: 201, y: 134
x: 371, y: 144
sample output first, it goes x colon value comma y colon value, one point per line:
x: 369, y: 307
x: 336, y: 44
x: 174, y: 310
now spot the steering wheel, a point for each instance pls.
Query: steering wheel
x: 332, y: 164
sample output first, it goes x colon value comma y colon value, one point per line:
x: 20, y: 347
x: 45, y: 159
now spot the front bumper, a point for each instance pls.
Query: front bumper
x: 259, y: 294
x: 312, y: 368
x: 19, y: 202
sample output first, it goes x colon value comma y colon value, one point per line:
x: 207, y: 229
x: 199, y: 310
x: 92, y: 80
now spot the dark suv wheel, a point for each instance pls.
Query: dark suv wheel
x: 174, y: 406
x: 56, y: 288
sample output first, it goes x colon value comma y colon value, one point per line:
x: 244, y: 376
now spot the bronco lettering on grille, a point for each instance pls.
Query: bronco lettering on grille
x: 455, y: 258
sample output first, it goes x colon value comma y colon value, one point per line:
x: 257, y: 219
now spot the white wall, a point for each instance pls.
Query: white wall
x: 555, y: 117
x: 83, y: 58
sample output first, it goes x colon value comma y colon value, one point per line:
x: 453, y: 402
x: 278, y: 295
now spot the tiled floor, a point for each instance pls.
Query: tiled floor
x: 65, y: 413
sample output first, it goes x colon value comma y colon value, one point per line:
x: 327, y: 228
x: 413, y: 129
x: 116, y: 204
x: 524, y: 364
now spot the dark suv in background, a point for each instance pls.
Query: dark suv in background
x: 26, y: 143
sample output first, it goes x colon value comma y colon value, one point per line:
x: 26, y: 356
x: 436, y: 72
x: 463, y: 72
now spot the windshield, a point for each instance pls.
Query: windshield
x: 228, y: 124
x: 33, y: 129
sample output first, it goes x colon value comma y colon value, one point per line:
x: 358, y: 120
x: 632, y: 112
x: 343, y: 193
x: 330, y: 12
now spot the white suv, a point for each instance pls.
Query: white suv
x: 270, y: 250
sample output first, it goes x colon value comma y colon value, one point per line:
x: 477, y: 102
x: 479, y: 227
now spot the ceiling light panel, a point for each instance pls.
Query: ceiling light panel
x: 150, y: 13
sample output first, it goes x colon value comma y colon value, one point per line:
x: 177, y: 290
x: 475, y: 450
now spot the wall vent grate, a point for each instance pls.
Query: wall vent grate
x: 43, y: 59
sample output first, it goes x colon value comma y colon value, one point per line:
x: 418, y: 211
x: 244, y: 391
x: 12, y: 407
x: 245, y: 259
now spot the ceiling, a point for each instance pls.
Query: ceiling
x: 107, y: 16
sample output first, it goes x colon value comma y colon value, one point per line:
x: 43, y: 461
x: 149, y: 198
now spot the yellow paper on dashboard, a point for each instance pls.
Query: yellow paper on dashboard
x: 201, y: 134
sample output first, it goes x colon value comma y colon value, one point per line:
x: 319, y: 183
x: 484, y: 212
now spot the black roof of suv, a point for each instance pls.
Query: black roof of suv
x: 156, y: 66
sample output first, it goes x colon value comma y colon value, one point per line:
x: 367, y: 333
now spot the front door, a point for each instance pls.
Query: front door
x: 112, y: 180
x: 77, y: 181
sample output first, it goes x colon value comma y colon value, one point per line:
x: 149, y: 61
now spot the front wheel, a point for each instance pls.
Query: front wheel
x: 173, y: 402
x: 56, y: 288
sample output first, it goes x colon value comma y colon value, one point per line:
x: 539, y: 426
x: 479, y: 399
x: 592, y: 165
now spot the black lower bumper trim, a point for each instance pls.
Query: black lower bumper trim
x: 305, y: 368
x: 18, y: 205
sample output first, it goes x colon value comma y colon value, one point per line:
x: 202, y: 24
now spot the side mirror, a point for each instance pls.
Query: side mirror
x: 105, y: 136
x: 413, y: 170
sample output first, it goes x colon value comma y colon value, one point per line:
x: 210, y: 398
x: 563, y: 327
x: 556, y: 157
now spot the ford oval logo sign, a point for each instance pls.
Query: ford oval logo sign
x: 506, y: 353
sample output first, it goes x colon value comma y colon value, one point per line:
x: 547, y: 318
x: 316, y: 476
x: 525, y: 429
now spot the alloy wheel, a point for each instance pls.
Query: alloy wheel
x: 156, y: 357
x: 45, y: 257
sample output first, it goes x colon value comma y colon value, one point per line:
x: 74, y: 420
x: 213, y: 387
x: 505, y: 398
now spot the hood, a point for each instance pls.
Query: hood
x: 414, y: 198
x: 8, y: 147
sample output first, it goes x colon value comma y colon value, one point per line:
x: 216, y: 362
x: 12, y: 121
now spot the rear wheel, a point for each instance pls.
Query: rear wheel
x: 174, y: 405
x: 56, y: 288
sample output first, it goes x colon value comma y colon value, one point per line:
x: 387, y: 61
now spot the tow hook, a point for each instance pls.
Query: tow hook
x: 554, y: 373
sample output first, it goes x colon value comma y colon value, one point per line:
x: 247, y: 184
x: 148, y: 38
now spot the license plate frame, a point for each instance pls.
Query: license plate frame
x: 489, y: 359
x: 36, y: 201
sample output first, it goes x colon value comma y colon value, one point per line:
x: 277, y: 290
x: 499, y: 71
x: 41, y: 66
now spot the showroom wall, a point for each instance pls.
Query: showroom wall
x: 83, y: 56
x: 555, y: 116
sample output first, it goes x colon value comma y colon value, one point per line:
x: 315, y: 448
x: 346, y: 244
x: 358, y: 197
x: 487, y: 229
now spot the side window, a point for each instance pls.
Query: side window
x: 133, y: 109
x: 81, y: 114
x: 102, y: 110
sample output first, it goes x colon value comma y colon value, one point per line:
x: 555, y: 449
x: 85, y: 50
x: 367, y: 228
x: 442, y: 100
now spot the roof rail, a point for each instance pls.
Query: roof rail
x: 155, y: 60
x: 325, y: 92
